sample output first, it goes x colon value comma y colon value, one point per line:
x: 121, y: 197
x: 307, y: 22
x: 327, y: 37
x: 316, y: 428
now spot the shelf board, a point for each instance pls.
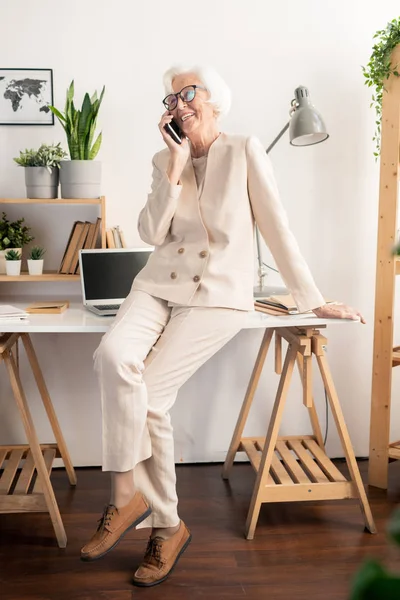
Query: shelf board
x: 51, y: 200
x: 394, y: 450
x: 397, y: 261
x: 47, y: 276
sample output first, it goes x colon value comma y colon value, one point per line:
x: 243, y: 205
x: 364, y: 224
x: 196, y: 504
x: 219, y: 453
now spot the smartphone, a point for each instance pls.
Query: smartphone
x: 174, y: 131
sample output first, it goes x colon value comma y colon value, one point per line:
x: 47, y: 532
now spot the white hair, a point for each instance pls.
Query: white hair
x: 220, y: 94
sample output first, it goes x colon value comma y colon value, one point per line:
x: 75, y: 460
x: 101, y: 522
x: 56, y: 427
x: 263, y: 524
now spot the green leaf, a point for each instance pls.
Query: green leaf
x: 96, y: 147
x: 70, y: 96
x: 57, y: 113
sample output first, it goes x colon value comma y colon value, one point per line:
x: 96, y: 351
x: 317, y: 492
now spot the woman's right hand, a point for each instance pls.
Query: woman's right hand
x: 179, y: 152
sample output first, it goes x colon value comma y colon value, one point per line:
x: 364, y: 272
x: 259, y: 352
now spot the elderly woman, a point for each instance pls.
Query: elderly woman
x: 189, y: 301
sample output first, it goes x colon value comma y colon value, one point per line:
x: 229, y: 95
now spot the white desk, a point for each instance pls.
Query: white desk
x: 76, y: 319
x: 280, y: 476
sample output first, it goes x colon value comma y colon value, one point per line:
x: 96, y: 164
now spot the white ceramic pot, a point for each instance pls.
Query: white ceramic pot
x: 3, y: 260
x: 35, y: 267
x: 80, y: 178
x: 40, y: 183
x: 13, y: 267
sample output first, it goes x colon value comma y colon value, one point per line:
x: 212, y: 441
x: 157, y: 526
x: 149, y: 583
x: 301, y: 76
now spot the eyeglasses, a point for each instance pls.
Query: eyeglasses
x: 187, y: 94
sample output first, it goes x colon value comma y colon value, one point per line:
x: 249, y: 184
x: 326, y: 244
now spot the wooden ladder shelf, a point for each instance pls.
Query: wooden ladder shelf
x: 387, y: 267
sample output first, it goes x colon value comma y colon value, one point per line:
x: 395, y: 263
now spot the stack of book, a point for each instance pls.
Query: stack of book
x: 53, y: 307
x: 279, y: 305
x: 84, y: 234
x: 115, y: 238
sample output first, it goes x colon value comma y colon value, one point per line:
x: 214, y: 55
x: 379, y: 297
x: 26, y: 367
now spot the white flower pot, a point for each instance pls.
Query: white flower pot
x: 13, y: 267
x: 35, y: 267
x: 80, y: 178
x: 3, y: 260
x: 40, y: 183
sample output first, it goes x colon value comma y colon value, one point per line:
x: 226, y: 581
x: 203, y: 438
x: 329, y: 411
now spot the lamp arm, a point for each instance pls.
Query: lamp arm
x: 261, y: 269
x: 278, y: 137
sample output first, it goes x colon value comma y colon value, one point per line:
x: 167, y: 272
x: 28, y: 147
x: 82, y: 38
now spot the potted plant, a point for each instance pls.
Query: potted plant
x: 379, y: 69
x: 41, y: 170
x: 81, y: 176
x: 13, y: 236
x: 35, y: 260
x: 373, y: 581
x: 13, y: 262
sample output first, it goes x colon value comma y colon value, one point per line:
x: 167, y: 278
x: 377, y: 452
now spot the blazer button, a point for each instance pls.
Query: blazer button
x: 173, y: 275
x: 203, y: 253
x: 196, y: 278
x: 181, y: 250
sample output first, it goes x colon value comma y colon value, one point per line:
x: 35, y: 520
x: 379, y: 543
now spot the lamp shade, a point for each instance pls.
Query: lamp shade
x: 306, y: 125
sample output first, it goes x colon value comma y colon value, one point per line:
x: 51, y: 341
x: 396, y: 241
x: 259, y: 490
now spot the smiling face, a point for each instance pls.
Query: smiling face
x: 197, y: 114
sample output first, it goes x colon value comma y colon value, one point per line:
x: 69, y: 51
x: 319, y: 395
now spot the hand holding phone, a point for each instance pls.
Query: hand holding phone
x: 173, y: 129
x: 171, y: 133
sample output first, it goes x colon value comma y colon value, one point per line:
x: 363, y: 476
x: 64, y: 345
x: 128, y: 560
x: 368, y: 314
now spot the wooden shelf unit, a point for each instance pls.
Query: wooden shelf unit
x: 385, y: 356
x: 54, y: 275
x: 47, y: 276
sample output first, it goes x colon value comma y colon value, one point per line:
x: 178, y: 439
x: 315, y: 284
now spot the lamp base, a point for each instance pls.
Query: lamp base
x: 269, y: 290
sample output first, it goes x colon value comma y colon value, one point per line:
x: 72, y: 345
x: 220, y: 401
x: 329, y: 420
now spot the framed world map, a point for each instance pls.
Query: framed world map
x: 25, y: 95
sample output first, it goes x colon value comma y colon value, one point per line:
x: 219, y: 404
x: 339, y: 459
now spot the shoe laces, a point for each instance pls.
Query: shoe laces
x: 106, y: 517
x: 153, y: 551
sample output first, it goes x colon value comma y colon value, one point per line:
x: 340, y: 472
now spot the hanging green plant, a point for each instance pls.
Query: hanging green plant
x: 379, y: 69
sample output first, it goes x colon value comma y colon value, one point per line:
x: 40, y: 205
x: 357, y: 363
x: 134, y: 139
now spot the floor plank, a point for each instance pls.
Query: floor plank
x: 301, y: 550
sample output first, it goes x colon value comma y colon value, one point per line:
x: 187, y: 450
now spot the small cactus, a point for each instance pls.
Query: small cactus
x: 13, y: 255
x: 36, y: 253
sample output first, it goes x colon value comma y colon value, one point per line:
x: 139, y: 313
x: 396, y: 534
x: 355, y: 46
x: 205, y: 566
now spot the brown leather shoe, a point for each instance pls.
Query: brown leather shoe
x: 113, y: 525
x: 161, y: 557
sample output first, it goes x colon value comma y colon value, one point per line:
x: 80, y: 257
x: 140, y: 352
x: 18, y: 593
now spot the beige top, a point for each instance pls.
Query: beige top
x: 200, y: 166
x: 204, y: 253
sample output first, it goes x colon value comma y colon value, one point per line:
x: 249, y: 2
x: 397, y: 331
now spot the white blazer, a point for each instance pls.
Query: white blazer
x: 204, y: 253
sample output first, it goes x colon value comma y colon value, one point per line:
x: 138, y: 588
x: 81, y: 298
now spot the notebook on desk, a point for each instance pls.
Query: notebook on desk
x: 107, y: 276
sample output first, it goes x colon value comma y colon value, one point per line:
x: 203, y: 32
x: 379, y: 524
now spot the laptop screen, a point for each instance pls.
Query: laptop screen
x: 109, y: 274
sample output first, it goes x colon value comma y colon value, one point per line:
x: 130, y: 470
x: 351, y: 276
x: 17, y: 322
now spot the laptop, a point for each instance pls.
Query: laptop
x: 107, y: 276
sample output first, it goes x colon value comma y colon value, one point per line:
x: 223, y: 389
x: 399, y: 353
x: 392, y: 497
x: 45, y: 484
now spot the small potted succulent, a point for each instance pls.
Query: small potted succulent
x: 80, y: 177
x: 35, y: 260
x: 13, y: 262
x: 41, y: 170
x: 13, y: 236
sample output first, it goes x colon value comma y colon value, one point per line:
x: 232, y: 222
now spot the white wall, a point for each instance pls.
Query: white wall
x: 264, y: 50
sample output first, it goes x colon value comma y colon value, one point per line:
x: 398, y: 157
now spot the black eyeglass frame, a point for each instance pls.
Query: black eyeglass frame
x: 179, y: 94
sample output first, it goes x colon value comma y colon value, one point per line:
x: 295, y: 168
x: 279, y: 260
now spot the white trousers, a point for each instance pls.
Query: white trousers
x: 148, y: 353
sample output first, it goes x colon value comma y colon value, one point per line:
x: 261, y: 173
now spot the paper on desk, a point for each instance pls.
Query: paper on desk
x: 11, y: 313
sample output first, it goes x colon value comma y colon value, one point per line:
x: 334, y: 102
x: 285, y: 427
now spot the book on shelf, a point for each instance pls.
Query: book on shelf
x: 80, y: 244
x: 54, y: 307
x: 115, y: 238
x: 110, y: 239
x: 75, y: 234
x: 91, y: 239
x: 84, y: 234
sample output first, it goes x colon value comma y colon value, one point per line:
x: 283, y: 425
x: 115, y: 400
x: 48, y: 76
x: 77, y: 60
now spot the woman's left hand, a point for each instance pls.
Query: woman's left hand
x: 338, y: 311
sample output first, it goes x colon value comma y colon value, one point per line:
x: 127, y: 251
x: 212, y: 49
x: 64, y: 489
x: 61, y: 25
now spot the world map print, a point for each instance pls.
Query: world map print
x: 16, y: 90
x: 25, y: 98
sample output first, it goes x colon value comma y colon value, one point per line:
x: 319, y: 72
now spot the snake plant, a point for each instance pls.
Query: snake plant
x: 80, y: 125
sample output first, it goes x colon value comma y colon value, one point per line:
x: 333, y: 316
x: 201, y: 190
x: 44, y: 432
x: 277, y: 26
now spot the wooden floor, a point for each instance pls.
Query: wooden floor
x: 301, y: 551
